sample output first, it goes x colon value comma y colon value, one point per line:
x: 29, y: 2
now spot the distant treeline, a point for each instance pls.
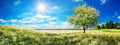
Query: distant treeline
x: 109, y: 25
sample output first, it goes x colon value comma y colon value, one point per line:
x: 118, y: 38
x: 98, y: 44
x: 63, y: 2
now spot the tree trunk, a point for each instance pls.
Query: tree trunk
x: 84, y: 29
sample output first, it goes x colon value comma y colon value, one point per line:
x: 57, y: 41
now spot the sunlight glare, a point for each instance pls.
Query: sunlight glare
x: 41, y: 7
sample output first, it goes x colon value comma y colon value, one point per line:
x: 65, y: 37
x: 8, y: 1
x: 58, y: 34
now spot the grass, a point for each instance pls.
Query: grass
x: 111, y: 30
x: 19, y: 36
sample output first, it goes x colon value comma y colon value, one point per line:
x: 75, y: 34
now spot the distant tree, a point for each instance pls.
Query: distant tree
x: 111, y: 25
x: 116, y: 25
x: 103, y: 26
x: 98, y: 27
x: 107, y: 25
x: 84, y: 16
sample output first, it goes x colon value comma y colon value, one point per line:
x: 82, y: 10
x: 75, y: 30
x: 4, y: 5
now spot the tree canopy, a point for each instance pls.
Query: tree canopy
x: 84, y: 16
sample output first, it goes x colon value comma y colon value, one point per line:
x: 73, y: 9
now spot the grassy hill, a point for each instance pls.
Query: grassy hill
x: 19, y: 36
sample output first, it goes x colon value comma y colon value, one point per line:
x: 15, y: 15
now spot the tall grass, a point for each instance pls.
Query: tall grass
x: 15, y: 36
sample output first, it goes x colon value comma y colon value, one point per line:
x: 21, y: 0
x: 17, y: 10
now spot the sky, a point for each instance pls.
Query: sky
x: 52, y: 14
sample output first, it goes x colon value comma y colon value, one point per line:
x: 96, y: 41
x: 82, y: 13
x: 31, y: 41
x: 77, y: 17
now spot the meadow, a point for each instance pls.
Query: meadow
x: 20, y: 36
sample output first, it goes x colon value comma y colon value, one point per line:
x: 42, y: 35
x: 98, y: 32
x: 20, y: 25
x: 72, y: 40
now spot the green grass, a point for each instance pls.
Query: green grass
x: 111, y: 30
x: 19, y: 36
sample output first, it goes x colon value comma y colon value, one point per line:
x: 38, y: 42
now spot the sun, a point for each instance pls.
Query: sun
x: 41, y: 7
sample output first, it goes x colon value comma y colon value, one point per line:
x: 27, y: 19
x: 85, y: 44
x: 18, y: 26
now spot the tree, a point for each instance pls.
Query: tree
x: 84, y: 16
x: 107, y: 25
x: 118, y: 25
x: 111, y: 25
x: 98, y: 27
x: 103, y: 26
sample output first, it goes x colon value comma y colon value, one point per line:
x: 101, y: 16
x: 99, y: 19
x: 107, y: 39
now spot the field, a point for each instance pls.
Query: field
x: 19, y: 36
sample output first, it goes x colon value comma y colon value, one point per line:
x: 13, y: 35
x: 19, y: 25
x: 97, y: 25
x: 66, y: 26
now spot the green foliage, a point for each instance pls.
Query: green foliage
x: 98, y: 27
x: 84, y: 16
x: 110, y: 25
x: 14, y: 36
x: 103, y: 26
x: 106, y: 25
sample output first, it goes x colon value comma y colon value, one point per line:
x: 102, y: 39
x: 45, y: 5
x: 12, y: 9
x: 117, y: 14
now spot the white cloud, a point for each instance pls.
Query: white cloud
x: 27, y: 20
x: 13, y: 20
x: 118, y: 17
x: 44, y: 17
x: 77, y: 0
x: 30, y: 17
x: 1, y: 20
x: 49, y: 25
x: 41, y: 16
x: 22, y: 21
x: 103, y: 1
x: 38, y: 18
x: 56, y: 25
x: 17, y: 2
x: 55, y: 8
x: 66, y: 25
x: 53, y: 18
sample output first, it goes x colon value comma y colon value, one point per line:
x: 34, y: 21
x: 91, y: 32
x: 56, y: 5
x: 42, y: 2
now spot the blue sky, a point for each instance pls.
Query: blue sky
x: 52, y: 14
